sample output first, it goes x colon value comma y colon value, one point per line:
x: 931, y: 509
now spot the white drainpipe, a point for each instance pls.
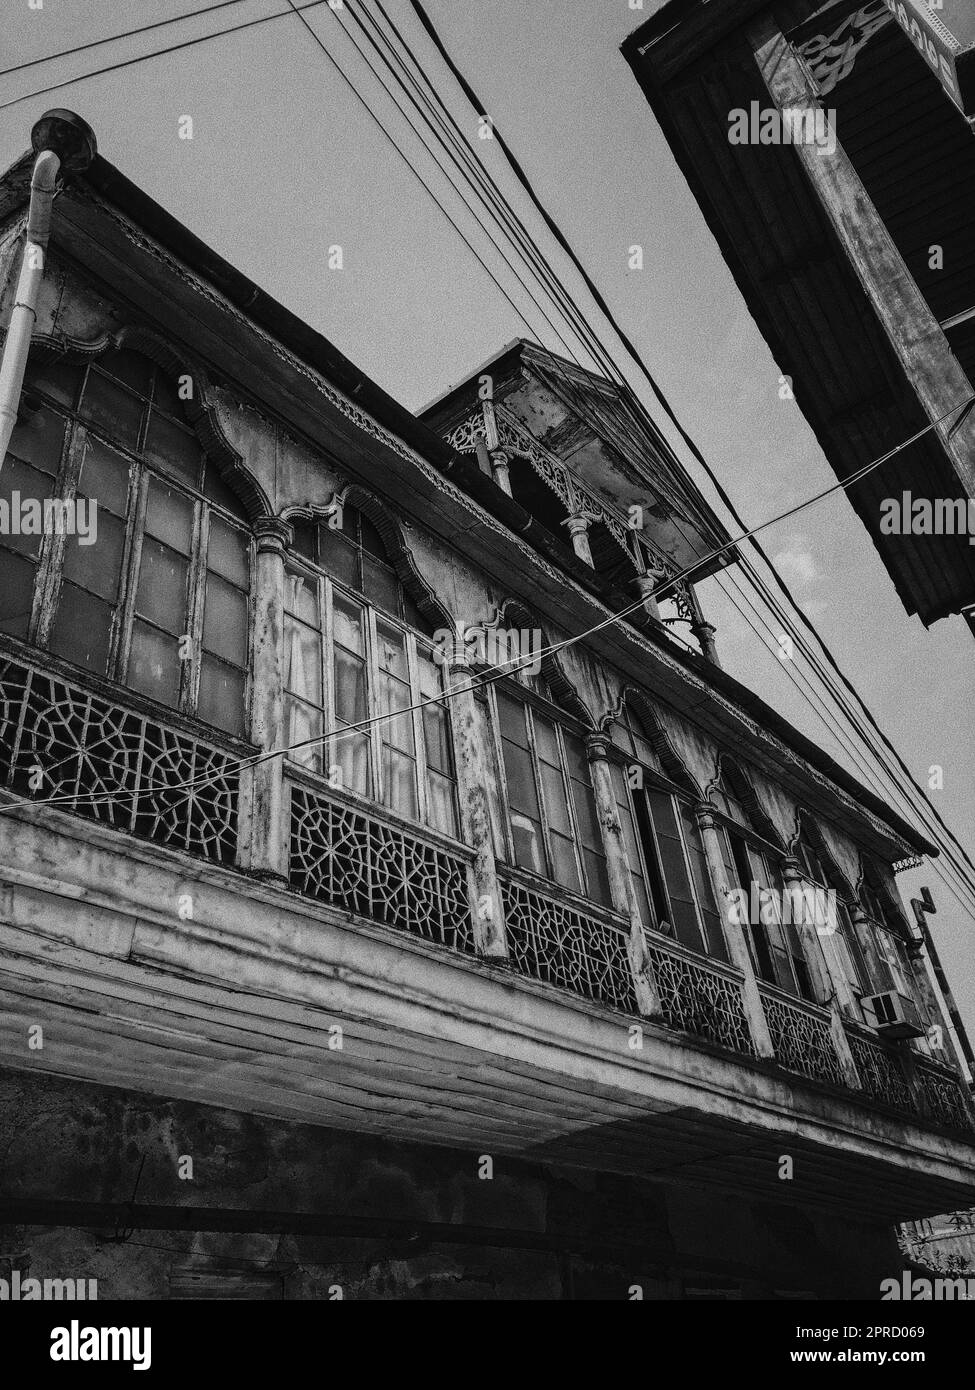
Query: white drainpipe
x: 57, y: 136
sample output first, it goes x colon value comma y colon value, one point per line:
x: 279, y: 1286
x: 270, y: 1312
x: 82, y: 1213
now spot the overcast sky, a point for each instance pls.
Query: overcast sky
x: 284, y: 162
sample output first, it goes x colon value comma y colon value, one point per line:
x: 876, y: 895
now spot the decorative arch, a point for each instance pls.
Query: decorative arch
x: 391, y: 532
x: 513, y: 612
x: 806, y: 825
x: 670, y: 760
x: 728, y: 768
x: 200, y: 410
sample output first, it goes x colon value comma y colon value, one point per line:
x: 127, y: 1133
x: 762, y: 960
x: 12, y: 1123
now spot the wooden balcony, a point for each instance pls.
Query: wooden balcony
x: 353, y: 996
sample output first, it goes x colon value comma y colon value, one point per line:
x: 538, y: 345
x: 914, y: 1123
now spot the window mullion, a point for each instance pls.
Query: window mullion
x: 540, y: 789
x: 374, y: 731
x: 135, y: 533
x: 570, y: 802
x: 189, y: 676
x: 327, y: 672
x: 50, y: 560
x: 419, y: 732
x: 508, y: 848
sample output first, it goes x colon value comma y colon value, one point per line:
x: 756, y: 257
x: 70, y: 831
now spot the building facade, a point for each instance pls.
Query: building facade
x: 830, y: 148
x: 382, y: 916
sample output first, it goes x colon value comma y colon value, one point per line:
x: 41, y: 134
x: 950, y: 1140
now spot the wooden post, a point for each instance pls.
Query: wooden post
x: 734, y: 932
x: 931, y: 367
x: 264, y: 837
x: 475, y: 818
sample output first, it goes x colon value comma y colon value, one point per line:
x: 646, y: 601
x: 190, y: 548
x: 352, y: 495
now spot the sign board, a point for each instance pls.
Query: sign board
x: 943, y: 32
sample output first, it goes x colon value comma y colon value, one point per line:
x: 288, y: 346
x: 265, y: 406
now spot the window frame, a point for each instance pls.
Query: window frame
x: 50, y: 575
x: 415, y: 643
x: 525, y: 695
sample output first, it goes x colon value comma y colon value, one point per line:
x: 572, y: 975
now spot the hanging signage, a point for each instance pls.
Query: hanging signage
x: 943, y: 32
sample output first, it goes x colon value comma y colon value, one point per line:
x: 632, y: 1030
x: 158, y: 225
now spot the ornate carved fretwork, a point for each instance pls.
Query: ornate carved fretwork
x: 561, y: 945
x: 881, y: 1071
x: 696, y: 998
x: 353, y: 860
x: 830, y: 57
x: 802, y: 1038
x: 96, y: 758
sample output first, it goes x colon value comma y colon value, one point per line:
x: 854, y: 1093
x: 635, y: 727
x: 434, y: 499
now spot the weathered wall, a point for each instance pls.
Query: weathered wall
x: 86, y: 1143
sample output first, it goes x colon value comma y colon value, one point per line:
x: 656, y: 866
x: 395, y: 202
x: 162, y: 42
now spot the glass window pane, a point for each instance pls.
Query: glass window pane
x: 511, y: 716
x: 82, y: 628
x: 131, y: 368
x: 337, y: 557
x: 228, y: 552
x: 98, y: 567
x: 221, y: 697
x: 347, y: 621
x: 522, y: 794
x: 683, y: 912
x: 301, y: 597
x: 575, y: 751
x: 556, y: 806
x: 546, y: 741
x: 527, y: 836
x: 105, y: 477
x: 169, y: 516
x: 165, y: 394
x: 16, y: 592
x: 58, y: 380
x: 380, y: 585
x: 303, y: 722
x: 174, y: 449
x: 392, y: 651
x: 370, y: 539
x: 399, y: 782
x: 154, y: 664
x: 225, y: 621
x: 112, y: 408
x: 217, y: 490
x: 395, y: 695
x: 161, y: 596
x: 597, y: 878
x: 442, y: 804
x: 21, y: 526
x: 436, y: 728
x: 350, y: 753
x: 564, y: 868
x: 585, y: 804
x: 350, y: 688
x: 306, y: 538
x: 39, y: 441
x: 303, y: 661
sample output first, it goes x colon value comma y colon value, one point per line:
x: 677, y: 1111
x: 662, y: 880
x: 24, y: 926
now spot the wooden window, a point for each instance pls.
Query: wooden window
x: 554, y: 828
x: 160, y: 600
x: 348, y: 661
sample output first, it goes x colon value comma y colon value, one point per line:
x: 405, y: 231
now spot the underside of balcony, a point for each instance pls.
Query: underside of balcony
x: 272, y: 1003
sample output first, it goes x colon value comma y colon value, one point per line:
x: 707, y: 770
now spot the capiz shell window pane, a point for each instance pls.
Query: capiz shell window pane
x: 221, y: 698
x: 154, y: 664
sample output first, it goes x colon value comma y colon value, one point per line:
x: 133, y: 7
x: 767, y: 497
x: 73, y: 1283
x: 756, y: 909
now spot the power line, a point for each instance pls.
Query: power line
x: 115, y: 38
x: 593, y: 289
x: 160, y: 52
x: 502, y: 670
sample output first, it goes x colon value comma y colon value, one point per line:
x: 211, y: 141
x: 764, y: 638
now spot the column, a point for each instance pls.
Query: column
x: 734, y: 931
x: 917, y: 338
x: 578, y: 525
x: 499, y: 469
x: 702, y: 630
x: 618, y: 871
x: 644, y: 586
x: 830, y: 976
x: 475, y: 817
x: 264, y: 822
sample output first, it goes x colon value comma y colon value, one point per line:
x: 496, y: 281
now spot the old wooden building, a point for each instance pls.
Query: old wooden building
x: 831, y: 149
x: 333, y: 964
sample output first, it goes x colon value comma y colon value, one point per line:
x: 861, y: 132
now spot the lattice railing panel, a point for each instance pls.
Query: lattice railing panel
x: 802, y: 1040
x: 882, y: 1074
x: 941, y: 1097
x: 697, y: 999
x: 90, y: 756
x: 353, y: 860
x: 551, y: 941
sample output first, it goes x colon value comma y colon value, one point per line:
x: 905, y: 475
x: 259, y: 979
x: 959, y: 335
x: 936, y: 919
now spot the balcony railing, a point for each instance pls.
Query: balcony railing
x: 801, y: 1036
x: 942, y: 1098
x: 883, y: 1075
x: 698, y: 997
x: 97, y: 757
x: 344, y: 856
x: 563, y: 945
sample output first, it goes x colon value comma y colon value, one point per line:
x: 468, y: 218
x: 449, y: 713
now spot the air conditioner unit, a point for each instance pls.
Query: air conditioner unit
x: 893, y: 1015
